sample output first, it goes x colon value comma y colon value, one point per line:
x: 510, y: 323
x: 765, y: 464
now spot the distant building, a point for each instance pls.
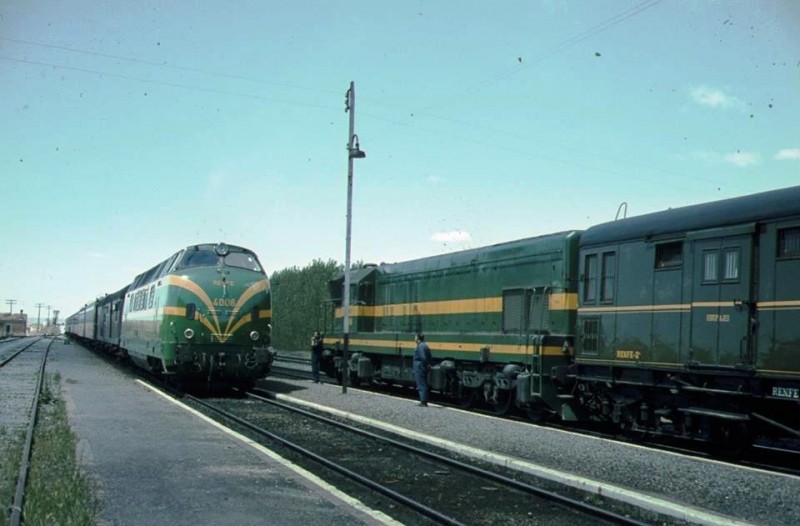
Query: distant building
x: 13, y: 324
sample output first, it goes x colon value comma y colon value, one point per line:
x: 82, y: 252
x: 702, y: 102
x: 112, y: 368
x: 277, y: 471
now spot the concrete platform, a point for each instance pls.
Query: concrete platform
x: 156, y: 463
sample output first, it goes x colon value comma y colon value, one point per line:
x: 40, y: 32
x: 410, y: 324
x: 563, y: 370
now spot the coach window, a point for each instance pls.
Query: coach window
x: 731, y: 258
x: 609, y: 272
x: 710, y: 267
x: 789, y: 242
x: 669, y: 255
x: 590, y: 279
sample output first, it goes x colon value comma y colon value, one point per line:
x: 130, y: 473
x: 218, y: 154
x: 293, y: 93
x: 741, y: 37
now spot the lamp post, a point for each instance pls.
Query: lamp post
x: 353, y: 152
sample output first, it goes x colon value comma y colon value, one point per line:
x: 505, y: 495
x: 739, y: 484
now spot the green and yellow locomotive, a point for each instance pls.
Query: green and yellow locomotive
x: 497, y: 319
x: 202, y: 315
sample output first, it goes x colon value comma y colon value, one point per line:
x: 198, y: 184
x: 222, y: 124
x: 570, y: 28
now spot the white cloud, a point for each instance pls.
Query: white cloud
x: 434, y: 179
x: 449, y: 237
x: 788, y: 154
x: 739, y: 158
x: 714, y: 97
x: 742, y: 159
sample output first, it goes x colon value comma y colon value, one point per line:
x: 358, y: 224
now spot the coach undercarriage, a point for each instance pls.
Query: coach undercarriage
x: 726, y: 411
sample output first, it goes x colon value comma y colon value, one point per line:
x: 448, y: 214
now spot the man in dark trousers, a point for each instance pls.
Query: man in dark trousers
x: 317, y: 346
x: 422, y: 363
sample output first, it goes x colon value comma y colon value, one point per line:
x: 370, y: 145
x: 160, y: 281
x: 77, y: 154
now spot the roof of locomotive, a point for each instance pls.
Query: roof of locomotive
x: 784, y: 202
x: 508, y: 249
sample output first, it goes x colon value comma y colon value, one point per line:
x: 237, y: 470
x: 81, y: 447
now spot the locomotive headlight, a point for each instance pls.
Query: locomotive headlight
x: 222, y: 249
x: 254, y: 335
x: 189, y: 334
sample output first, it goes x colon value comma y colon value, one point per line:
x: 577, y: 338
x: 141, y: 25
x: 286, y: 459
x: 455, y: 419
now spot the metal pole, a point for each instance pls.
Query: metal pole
x: 10, y: 304
x: 351, y: 107
x: 39, y: 319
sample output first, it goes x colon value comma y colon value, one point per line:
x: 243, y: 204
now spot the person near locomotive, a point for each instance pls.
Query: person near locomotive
x: 317, y: 346
x: 422, y: 363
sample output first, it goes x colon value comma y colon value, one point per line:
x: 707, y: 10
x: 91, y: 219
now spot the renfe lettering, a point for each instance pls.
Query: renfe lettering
x: 786, y: 392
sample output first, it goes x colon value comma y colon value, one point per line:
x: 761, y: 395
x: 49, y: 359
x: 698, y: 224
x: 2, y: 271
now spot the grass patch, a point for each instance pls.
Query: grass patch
x: 10, y: 454
x: 57, y: 491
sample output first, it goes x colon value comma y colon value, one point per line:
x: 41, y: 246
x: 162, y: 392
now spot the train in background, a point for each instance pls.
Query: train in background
x: 684, y: 322
x: 201, y: 316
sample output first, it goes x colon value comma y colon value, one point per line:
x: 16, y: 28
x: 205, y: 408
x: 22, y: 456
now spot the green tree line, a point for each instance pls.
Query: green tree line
x: 300, y: 303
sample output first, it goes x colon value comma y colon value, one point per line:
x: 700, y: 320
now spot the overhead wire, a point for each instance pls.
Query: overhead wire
x: 166, y: 83
x: 571, y: 41
x: 166, y: 65
x: 564, y: 44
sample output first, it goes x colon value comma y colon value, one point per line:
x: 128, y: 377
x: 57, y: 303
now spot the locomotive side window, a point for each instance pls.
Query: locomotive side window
x: 609, y: 273
x: 539, y: 312
x: 512, y: 310
x: 590, y: 279
x: 710, y: 266
x: 731, y: 272
x: 669, y: 255
x: 789, y: 242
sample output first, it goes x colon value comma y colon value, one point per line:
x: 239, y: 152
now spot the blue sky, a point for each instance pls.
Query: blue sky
x: 132, y: 129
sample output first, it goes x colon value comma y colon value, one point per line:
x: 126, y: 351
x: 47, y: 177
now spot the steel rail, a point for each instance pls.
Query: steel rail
x: 653, y: 443
x: 474, y: 470
x: 19, y: 496
x: 17, y: 353
x: 411, y: 503
x: 293, y: 359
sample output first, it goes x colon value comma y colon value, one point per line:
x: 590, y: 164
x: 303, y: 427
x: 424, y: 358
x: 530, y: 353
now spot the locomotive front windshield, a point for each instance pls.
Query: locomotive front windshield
x: 208, y: 257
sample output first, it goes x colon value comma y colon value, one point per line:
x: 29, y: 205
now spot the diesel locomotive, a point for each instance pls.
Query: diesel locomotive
x: 201, y: 315
x: 683, y: 322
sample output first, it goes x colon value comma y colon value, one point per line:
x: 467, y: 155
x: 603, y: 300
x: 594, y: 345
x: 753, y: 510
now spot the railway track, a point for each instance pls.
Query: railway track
x: 412, y: 481
x: 766, y: 456
x: 21, y: 378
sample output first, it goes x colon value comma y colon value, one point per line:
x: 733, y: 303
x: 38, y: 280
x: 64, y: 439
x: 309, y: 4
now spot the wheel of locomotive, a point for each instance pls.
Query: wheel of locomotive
x: 502, y: 401
x: 355, y: 381
x: 537, y: 413
x: 466, y: 397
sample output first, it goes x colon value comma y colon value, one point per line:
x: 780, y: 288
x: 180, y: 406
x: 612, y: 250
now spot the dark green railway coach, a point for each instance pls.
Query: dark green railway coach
x: 497, y: 320
x: 689, y: 320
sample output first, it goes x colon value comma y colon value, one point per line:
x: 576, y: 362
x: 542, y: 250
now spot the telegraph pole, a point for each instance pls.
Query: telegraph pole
x: 10, y: 304
x: 353, y: 152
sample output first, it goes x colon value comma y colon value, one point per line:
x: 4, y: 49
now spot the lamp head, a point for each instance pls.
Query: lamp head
x: 355, y: 152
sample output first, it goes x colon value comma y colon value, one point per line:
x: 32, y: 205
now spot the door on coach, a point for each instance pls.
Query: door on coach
x: 722, y: 296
